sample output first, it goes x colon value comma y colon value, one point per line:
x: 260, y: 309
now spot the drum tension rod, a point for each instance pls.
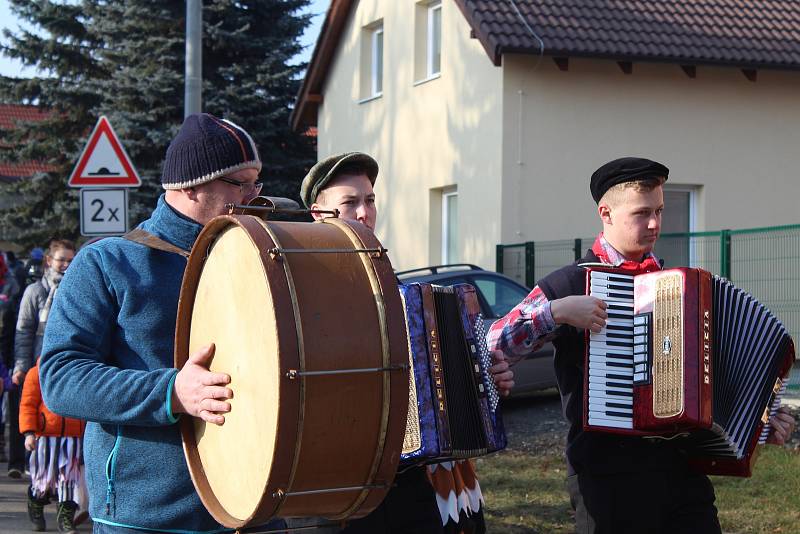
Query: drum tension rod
x: 281, y: 494
x: 294, y: 373
x: 275, y: 253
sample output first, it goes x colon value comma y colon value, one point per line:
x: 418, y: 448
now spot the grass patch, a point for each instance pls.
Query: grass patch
x: 526, y: 493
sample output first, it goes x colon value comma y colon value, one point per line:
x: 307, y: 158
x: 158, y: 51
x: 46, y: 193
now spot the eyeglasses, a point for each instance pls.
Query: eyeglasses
x: 245, y: 188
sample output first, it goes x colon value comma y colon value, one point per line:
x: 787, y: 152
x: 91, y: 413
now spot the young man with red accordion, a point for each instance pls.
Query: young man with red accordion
x: 617, y: 483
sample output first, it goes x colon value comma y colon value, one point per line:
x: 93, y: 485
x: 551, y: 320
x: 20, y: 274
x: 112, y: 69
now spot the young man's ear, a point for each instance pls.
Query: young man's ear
x: 605, y: 213
x: 317, y: 216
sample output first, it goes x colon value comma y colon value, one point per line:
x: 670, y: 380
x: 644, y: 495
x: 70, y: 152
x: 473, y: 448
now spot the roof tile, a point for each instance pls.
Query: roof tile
x: 736, y: 32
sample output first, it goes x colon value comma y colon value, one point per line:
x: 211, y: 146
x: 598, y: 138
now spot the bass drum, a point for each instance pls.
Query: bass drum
x: 307, y: 320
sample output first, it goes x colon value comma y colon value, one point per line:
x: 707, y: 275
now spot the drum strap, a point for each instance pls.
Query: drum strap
x: 137, y: 235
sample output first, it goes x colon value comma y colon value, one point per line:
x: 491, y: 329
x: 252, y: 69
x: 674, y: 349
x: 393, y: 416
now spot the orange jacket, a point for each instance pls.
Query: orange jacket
x: 35, y: 417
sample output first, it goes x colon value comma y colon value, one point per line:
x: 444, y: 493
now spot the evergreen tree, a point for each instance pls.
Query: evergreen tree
x: 125, y: 60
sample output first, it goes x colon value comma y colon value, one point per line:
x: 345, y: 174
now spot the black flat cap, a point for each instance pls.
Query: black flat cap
x: 322, y: 173
x: 624, y: 170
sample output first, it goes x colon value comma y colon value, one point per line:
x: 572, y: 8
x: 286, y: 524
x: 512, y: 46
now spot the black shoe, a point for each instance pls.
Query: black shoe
x: 14, y: 473
x: 36, y: 513
x: 66, y: 517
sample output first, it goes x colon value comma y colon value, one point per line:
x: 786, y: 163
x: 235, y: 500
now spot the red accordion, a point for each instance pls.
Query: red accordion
x: 685, y: 355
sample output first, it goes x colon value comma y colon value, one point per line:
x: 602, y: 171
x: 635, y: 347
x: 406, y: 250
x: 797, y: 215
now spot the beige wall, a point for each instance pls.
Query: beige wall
x: 735, y: 138
x: 520, y: 142
x: 441, y: 133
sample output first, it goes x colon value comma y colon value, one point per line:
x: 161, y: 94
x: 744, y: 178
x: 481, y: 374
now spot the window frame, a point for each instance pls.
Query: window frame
x: 430, y: 53
x: 376, y: 62
x: 446, y: 233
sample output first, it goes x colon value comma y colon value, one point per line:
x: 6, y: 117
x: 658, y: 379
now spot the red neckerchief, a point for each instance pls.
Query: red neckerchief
x: 648, y: 264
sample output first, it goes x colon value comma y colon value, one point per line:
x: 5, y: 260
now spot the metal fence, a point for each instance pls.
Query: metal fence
x: 765, y: 262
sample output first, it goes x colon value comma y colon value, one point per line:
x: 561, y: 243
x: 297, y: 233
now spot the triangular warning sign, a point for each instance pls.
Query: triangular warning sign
x: 103, y: 161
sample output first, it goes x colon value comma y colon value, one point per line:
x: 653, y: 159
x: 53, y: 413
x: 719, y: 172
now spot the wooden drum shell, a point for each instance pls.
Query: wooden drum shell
x: 332, y: 311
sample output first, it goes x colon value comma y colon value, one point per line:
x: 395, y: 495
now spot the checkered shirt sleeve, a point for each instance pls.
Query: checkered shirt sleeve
x: 525, y: 328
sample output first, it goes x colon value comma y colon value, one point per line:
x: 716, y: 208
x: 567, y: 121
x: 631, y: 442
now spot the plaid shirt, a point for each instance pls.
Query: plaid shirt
x: 530, y: 325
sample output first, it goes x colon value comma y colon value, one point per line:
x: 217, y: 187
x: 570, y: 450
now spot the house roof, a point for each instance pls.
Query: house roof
x: 748, y: 34
x: 10, y: 116
x: 740, y: 33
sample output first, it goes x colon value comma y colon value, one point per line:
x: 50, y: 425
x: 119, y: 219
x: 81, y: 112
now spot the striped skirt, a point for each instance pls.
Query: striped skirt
x: 56, y: 467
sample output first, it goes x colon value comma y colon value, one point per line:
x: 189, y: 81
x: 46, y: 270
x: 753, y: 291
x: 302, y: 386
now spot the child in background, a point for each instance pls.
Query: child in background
x: 56, y: 463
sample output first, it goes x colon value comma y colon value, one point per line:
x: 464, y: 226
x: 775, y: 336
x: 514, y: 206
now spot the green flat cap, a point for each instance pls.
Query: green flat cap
x: 324, y: 171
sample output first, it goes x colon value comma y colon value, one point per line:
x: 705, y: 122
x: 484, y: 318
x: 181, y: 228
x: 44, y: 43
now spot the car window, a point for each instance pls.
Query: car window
x: 501, y: 295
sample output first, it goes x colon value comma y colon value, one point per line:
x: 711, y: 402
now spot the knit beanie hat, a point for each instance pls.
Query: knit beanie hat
x: 205, y: 149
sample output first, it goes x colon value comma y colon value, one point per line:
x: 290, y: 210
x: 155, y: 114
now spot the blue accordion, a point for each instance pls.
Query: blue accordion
x: 453, y: 402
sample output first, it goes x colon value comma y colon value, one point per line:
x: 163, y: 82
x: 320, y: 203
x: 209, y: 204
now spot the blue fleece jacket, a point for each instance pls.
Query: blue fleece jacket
x: 108, y: 358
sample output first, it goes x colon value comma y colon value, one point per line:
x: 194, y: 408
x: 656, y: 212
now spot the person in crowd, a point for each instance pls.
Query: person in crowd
x: 607, y: 473
x: 107, y: 355
x: 56, y: 464
x: 9, y: 299
x: 445, y: 497
x: 35, y: 307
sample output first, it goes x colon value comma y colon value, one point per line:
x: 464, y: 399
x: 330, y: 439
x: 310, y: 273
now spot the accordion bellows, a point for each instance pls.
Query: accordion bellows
x: 453, y: 402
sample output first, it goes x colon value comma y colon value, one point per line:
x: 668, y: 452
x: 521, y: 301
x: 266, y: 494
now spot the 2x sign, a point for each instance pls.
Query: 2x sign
x: 104, y: 211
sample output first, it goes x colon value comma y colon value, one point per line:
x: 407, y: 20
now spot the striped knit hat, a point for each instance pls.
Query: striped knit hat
x: 205, y: 149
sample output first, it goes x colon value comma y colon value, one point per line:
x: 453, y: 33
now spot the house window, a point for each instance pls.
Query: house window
x: 675, y: 247
x: 427, y: 41
x: 434, y: 39
x: 450, y: 227
x: 376, y: 82
x: 372, y: 61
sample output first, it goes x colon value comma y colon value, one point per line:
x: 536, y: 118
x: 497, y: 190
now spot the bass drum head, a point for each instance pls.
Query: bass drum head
x: 233, y: 308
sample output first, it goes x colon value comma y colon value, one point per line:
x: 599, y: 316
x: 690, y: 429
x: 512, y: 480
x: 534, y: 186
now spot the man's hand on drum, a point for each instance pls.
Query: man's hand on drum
x: 782, y: 424
x: 501, y: 373
x: 581, y: 311
x: 199, y: 392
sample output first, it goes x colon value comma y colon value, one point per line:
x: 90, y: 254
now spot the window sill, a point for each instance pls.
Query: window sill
x: 370, y: 98
x: 428, y: 79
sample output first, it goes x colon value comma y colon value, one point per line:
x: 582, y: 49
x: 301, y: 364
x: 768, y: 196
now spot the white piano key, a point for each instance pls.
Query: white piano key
x: 618, y: 423
x: 600, y: 275
x: 609, y: 392
x: 598, y: 403
x: 602, y: 346
x: 611, y: 288
x: 640, y: 368
x: 640, y: 340
x: 641, y: 377
x: 639, y: 330
x: 640, y: 358
x: 640, y: 320
x: 611, y: 382
x: 598, y: 368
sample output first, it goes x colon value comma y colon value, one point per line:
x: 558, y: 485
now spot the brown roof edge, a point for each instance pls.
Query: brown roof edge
x: 307, y: 102
x: 489, y: 45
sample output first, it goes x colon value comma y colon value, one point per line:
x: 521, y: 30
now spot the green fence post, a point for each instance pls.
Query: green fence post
x: 725, y: 254
x: 530, y: 263
x: 577, y: 249
x: 498, y: 259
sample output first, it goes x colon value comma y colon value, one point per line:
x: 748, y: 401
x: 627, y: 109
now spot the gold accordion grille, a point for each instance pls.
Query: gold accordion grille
x: 412, y: 440
x: 668, y: 346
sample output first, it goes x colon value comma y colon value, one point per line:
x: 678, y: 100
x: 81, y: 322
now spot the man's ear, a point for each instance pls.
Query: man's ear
x: 190, y: 192
x: 317, y: 216
x: 605, y: 213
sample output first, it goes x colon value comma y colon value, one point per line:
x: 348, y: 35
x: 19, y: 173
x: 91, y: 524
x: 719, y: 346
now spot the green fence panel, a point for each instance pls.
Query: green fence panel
x: 698, y: 249
x: 765, y: 262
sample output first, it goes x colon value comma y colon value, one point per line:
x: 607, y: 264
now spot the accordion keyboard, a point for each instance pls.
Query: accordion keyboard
x: 615, y: 360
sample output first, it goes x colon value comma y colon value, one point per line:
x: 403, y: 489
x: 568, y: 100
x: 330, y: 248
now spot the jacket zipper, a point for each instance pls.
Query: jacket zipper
x: 111, y: 468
